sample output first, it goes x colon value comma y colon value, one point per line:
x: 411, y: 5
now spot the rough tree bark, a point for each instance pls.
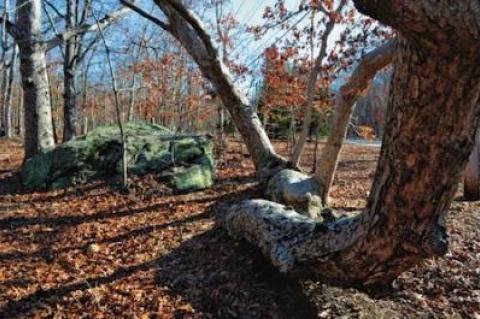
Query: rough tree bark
x: 356, y: 86
x: 431, y: 124
x: 472, y: 173
x: 185, y: 26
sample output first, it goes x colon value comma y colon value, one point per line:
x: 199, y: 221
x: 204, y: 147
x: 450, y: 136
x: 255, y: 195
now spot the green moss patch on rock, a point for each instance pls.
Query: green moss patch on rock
x: 185, y: 162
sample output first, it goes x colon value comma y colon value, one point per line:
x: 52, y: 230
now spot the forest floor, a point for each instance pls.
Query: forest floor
x: 95, y: 252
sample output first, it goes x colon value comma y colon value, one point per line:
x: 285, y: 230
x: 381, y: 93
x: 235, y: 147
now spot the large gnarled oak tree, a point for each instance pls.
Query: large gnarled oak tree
x: 432, y: 118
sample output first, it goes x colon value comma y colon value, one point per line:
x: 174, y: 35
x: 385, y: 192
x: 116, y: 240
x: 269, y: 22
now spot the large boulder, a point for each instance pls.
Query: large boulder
x: 185, y: 162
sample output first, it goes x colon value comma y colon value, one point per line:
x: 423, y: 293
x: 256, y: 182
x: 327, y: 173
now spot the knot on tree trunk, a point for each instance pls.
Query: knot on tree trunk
x: 436, y: 242
x: 297, y: 190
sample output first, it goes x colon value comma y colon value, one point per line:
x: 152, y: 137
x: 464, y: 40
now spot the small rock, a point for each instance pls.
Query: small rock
x: 94, y: 248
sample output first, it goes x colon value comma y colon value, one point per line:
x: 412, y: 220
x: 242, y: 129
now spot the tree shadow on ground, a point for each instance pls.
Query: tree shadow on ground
x: 228, y: 279
x: 215, y: 274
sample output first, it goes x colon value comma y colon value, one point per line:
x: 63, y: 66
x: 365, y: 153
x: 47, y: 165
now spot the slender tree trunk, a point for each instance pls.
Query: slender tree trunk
x: 118, y: 109
x: 20, y: 117
x: 8, y: 99
x: 311, y: 89
x: 131, y: 106
x: 220, y: 129
x: 54, y: 111
x: 69, y: 71
x: 7, y: 102
x: 472, y: 173
x: 6, y: 113
x: 345, y: 100
x: 7, y: 73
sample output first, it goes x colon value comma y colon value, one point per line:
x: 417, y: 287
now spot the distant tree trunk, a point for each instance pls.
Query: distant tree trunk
x: 20, y: 117
x: 472, y: 173
x: 53, y: 104
x: 356, y: 86
x: 9, y: 74
x: 69, y: 70
x: 131, y: 106
x: 123, y: 139
x: 220, y: 129
x: 312, y: 86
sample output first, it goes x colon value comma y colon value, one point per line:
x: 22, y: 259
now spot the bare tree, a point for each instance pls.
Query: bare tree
x: 187, y: 28
x: 8, y: 73
x: 123, y: 140
x: 7, y: 101
x: 33, y: 47
x: 312, y: 82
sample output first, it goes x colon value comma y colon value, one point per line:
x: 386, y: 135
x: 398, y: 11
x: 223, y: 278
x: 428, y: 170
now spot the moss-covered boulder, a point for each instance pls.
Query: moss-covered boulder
x: 185, y: 162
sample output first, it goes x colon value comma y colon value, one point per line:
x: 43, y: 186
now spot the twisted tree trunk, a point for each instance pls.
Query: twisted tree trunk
x: 432, y: 120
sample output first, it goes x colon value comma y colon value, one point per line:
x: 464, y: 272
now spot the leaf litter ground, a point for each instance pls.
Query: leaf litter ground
x: 95, y: 252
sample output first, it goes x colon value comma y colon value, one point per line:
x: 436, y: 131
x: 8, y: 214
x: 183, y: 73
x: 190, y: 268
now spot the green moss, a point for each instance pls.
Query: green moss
x: 193, y: 178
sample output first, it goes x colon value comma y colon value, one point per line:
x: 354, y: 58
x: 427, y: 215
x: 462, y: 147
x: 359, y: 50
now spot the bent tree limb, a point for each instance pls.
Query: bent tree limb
x: 432, y: 119
x: 187, y: 28
x: 355, y: 87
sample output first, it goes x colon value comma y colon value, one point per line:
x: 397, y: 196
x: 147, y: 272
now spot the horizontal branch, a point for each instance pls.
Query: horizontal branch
x: 288, y: 238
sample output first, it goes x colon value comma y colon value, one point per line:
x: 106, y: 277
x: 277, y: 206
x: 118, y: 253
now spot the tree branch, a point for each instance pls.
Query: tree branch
x: 84, y: 28
x: 11, y: 28
x: 429, y: 23
x: 51, y: 6
x: 146, y: 15
x: 194, y: 21
x: 346, y: 97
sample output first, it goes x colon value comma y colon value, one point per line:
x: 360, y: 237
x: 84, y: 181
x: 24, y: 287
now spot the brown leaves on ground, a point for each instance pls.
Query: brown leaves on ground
x: 93, y: 252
